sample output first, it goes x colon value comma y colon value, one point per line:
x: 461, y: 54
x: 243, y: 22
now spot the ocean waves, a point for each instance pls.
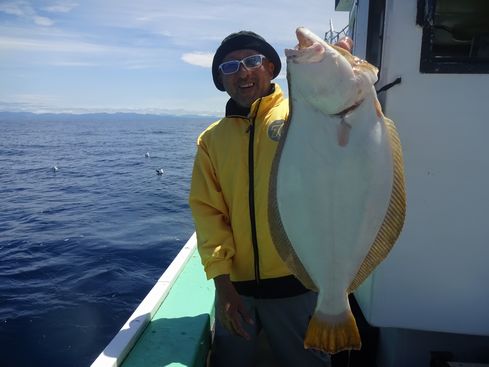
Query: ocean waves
x: 83, y: 244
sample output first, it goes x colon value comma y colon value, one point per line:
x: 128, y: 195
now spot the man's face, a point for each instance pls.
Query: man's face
x: 246, y: 86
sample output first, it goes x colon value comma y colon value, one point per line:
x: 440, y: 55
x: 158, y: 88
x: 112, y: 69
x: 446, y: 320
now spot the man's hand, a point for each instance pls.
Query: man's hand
x: 345, y: 43
x: 229, y: 308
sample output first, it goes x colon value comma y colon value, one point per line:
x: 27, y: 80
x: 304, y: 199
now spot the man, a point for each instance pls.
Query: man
x: 229, y: 200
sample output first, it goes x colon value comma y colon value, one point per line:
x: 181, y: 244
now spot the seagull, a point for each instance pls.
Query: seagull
x: 160, y: 171
x: 147, y: 155
x: 55, y: 168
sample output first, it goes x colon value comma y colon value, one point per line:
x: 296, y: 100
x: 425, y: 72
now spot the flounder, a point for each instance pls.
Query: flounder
x: 337, y: 198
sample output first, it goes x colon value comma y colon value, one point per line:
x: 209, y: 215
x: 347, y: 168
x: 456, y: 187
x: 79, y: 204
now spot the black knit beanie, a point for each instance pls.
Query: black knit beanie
x: 239, y: 41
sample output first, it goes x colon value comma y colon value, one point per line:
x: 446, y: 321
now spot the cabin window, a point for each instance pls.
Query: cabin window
x: 455, y: 36
x: 375, y: 32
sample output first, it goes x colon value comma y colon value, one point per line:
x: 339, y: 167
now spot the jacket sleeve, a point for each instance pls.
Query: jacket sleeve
x: 214, y: 236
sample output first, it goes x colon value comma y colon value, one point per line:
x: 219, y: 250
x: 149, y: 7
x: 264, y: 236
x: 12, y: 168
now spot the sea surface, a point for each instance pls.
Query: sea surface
x: 81, y: 246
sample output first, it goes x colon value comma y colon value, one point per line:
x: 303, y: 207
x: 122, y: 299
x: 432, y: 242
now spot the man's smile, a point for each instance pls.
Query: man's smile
x: 247, y: 85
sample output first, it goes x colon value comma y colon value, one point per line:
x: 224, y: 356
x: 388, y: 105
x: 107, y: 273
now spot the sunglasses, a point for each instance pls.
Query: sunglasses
x: 250, y: 63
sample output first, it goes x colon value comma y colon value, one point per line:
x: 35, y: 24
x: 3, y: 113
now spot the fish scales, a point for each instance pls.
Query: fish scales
x: 337, y: 197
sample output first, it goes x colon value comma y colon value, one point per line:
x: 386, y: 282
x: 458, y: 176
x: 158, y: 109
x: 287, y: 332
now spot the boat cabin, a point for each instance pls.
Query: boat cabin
x: 429, y: 300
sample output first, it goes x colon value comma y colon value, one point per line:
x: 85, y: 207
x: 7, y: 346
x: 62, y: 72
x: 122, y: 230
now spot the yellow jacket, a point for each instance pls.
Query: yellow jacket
x: 219, y: 194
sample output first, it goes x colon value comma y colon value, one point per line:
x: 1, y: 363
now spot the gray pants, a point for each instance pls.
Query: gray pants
x: 284, y: 322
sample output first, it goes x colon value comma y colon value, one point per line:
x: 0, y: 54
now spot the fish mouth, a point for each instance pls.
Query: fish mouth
x: 308, y: 50
x: 304, y: 39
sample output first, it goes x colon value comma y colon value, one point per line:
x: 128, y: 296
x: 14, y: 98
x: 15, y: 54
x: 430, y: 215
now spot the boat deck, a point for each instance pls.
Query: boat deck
x: 172, y: 326
x: 179, y: 332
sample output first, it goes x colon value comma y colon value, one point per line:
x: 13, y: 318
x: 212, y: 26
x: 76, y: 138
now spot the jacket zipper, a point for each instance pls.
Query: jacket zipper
x: 251, y: 197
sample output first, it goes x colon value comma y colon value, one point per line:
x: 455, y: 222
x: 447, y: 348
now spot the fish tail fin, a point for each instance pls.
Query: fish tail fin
x: 332, y: 334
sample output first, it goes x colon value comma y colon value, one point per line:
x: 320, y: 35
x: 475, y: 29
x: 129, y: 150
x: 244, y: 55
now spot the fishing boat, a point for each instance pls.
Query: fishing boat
x: 427, y: 304
x: 428, y: 300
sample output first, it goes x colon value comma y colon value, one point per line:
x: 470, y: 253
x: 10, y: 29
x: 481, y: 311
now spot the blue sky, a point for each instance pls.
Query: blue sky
x: 142, y: 56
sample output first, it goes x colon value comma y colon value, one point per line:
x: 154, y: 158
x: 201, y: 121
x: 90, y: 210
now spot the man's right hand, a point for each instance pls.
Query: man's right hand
x: 230, y: 308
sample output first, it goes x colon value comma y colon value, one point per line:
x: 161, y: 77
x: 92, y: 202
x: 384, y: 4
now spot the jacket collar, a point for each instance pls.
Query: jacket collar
x: 233, y: 109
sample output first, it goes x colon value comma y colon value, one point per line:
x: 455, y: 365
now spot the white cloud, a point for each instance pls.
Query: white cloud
x: 81, y: 64
x: 13, y: 8
x: 61, y: 7
x: 35, y: 44
x: 194, y: 24
x: 23, y: 9
x: 66, y: 50
x: 203, y: 59
x: 28, y: 102
x: 42, y: 21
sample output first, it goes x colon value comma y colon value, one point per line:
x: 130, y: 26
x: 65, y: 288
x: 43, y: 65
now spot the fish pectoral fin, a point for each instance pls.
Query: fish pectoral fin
x: 332, y: 334
x: 343, y: 133
x: 344, y: 127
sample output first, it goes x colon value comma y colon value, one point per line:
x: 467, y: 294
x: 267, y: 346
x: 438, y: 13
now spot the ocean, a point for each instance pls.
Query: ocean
x: 81, y: 246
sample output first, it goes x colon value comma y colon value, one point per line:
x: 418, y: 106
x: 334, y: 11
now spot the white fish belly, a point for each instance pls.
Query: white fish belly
x: 332, y: 199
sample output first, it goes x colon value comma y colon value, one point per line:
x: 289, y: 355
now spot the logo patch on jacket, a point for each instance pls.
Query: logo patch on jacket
x: 275, y: 130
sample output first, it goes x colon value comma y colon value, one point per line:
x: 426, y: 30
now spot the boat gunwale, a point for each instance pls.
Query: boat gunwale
x: 119, y: 347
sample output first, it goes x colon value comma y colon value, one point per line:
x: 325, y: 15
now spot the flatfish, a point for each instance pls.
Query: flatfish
x: 337, y: 199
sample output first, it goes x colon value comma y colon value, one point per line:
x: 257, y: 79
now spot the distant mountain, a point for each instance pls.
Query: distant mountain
x: 121, y: 116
